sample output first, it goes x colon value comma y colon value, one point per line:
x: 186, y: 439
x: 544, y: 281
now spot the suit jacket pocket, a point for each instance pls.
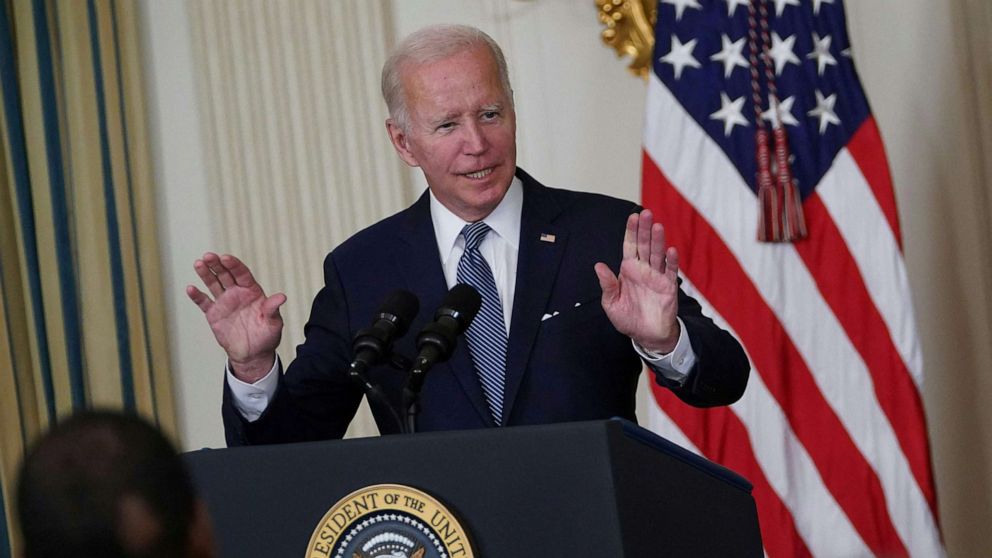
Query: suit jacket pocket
x: 583, y: 314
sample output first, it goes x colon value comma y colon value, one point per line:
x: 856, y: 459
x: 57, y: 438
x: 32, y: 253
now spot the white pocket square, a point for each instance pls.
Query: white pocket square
x: 555, y: 313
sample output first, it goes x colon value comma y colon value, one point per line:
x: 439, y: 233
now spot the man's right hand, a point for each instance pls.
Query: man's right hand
x: 245, y: 322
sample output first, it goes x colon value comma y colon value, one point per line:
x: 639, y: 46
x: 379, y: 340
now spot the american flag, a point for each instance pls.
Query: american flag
x: 831, y: 430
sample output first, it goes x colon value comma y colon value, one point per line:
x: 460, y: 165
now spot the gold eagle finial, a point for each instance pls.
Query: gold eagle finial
x: 630, y: 30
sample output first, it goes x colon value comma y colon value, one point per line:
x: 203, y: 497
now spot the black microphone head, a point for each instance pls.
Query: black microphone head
x: 461, y: 303
x: 401, y: 308
x: 437, y: 340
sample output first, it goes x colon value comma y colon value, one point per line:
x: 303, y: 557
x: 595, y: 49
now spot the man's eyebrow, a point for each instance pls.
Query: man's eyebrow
x: 442, y: 119
x: 435, y: 122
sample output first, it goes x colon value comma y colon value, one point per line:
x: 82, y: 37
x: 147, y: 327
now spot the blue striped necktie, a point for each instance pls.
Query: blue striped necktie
x: 487, y: 334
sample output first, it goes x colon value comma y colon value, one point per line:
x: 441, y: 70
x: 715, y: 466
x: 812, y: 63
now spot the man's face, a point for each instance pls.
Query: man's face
x: 462, y: 131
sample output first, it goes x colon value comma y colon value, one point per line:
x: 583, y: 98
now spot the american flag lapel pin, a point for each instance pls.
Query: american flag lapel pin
x: 545, y: 237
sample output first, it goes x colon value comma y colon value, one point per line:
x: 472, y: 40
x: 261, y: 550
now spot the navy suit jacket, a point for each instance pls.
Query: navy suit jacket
x: 573, y: 366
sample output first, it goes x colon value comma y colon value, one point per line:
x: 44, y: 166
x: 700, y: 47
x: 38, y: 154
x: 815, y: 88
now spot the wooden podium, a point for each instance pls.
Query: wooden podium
x: 604, y: 489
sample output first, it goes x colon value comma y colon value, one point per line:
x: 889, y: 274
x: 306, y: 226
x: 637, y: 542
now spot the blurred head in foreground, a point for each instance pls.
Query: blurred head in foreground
x: 109, y: 485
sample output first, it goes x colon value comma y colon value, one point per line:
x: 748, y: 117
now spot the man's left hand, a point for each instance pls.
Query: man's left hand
x: 643, y: 301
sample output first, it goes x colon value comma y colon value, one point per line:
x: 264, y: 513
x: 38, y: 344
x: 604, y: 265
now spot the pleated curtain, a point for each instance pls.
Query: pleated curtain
x: 297, y: 156
x: 81, y: 313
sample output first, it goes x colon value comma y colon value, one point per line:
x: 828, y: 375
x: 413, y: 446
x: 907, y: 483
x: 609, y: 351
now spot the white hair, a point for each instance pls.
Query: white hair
x: 429, y: 44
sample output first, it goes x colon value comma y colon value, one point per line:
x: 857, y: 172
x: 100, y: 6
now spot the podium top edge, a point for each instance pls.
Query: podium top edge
x: 659, y: 443
x: 623, y: 427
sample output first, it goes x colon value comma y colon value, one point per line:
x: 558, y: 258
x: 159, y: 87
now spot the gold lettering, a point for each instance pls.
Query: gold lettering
x: 414, y: 504
x: 365, y: 504
x: 443, y: 526
x: 349, y: 511
x: 321, y: 548
x: 361, y: 505
x: 449, y: 534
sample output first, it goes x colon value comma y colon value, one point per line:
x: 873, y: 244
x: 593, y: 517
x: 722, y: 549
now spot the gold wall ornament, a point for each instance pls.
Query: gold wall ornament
x: 630, y: 30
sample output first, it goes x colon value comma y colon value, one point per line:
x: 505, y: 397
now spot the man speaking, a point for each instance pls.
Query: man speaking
x: 577, y: 289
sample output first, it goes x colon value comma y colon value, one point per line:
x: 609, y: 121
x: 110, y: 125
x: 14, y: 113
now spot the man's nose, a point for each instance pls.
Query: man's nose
x: 475, y: 142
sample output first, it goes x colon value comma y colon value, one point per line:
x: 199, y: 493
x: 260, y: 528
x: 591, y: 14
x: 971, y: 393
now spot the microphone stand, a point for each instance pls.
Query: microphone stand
x: 411, y: 392
x: 357, y: 373
x: 373, y: 345
x: 412, y: 403
x: 436, y: 341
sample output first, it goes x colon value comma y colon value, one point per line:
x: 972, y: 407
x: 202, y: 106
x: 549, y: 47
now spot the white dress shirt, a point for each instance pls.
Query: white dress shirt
x: 499, y: 248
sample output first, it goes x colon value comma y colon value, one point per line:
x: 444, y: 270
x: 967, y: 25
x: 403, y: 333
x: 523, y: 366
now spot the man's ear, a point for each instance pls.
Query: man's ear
x: 400, y: 142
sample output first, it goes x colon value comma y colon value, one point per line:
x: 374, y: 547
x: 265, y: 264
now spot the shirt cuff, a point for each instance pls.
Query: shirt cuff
x: 251, y: 400
x: 676, y: 365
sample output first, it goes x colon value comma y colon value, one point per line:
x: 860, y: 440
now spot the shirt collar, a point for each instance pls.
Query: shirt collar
x: 504, y: 220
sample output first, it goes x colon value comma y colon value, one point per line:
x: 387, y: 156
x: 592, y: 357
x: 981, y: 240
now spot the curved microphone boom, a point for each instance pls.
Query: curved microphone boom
x: 372, y: 345
x: 438, y: 339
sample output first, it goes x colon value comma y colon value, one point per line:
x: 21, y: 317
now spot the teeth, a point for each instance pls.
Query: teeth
x: 480, y: 174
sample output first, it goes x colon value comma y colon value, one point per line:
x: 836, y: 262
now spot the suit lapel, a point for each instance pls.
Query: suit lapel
x: 420, y: 264
x: 538, y: 259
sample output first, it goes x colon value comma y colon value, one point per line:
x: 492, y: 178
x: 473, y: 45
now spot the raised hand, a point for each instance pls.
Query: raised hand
x: 245, y: 322
x: 643, y: 301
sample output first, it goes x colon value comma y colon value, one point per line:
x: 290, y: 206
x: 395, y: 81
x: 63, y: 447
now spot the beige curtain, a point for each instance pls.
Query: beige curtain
x: 81, y: 321
x: 977, y: 19
x: 962, y: 437
x: 297, y: 155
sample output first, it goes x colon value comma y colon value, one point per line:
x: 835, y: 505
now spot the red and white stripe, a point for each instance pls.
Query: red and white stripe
x: 831, y: 429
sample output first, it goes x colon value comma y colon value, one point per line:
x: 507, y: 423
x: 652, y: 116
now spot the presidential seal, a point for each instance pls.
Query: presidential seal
x: 389, y: 521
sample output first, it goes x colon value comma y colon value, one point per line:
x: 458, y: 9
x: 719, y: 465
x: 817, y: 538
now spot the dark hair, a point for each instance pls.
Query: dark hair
x: 74, y: 482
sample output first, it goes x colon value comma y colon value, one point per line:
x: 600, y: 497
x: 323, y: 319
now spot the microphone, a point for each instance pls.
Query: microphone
x: 372, y: 344
x: 437, y: 340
